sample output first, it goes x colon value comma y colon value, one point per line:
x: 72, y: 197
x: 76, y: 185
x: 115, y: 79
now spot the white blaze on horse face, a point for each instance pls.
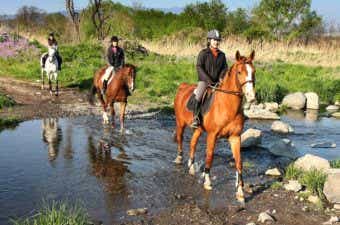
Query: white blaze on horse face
x: 250, y: 94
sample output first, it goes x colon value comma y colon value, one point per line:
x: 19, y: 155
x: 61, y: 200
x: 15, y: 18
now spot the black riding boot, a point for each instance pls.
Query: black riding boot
x: 196, y: 122
x: 104, y: 87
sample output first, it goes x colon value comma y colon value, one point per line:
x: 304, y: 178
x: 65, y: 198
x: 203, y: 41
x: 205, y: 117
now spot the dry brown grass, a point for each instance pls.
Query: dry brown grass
x: 324, y: 53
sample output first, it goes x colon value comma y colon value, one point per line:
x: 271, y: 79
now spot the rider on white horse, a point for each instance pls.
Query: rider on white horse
x: 116, y: 59
x: 52, y: 43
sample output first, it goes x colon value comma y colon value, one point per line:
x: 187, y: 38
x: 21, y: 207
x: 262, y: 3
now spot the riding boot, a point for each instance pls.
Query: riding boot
x: 104, y: 87
x: 196, y: 122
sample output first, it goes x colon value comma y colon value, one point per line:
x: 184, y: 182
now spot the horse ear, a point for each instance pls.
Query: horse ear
x: 237, y: 56
x: 252, y: 55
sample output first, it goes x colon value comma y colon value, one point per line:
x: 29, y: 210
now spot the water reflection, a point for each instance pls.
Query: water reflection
x: 312, y: 115
x: 51, y: 135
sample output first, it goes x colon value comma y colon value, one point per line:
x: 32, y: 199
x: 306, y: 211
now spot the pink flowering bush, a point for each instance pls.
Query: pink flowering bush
x: 11, y: 48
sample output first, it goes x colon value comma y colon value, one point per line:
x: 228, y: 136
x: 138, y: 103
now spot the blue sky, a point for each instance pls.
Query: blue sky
x: 330, y: 9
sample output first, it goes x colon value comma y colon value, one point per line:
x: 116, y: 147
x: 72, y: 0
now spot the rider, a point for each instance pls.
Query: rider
x: 116, y: 59
x: 211, y: 68
x: 52, y: 43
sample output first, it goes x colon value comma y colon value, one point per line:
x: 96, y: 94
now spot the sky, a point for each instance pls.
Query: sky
x: 329, y: 9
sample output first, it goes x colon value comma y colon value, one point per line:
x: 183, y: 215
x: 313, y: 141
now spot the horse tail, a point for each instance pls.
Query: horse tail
x: 91, y: 95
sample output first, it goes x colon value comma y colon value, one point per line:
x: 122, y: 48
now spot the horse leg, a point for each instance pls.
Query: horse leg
x: 122, y: 116
x: 42, y: 78
x: 179, y: 140
x: 50, y: 84
x: 211, y: 141
x: 105, y: 116
x: 113, y: 113
x: 235, y: 143
x: 193, y: 143
x: 57, y: 86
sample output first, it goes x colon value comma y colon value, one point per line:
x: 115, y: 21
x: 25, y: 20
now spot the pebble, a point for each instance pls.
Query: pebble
x: 293, y: 185
x: 336, y: 206
x: 333, y: 219
x: 305, y: 208
x: 264, y: 216
x: 251, y: 223
x: 135, y: 212
x: 313, y: 199
x: 273, y: 172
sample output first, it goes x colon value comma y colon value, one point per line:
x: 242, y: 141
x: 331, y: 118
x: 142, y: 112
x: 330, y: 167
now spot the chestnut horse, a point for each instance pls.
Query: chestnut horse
x: 118, y: 89
x: 224, y: 119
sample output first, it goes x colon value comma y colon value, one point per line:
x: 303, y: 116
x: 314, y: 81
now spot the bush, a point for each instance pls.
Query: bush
x: 335, y: 163
x: 314, y: 180
x: 5, y: 101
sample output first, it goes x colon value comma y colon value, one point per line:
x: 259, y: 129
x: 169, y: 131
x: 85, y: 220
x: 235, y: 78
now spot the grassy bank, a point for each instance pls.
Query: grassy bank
x: 5, y: 101
x: 159, y: 76
x: 57, y: 214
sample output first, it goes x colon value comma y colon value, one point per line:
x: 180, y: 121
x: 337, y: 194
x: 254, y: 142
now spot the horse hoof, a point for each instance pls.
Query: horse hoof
x: 178, y: 160
x: 192, y: 170
x: 241, y: 200
x: 207, y: 187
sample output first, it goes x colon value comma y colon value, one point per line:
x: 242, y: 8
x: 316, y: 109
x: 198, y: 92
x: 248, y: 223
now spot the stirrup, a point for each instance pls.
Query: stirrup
x: 195, y: 124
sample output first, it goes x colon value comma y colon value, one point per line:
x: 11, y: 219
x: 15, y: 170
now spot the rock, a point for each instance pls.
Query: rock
x: 305, y: 208
x: 251, y: 223
x: 310, y: 161
x: 326, y: 144
x: 337, y: 103
x: 273, y: 172
x: 136, y: 212
x: 257, y: 113
x: 271, y: 106
x: 264, y: 216
x: 251, y: 137
x: 336, y: 206
x: 332, y: 108
x: 333, y: 219
x: 281, y: 127
x: 293, y: 185
x: 313, y: 199
x: 38, y: 93
x: 295, y: 100
x: 336, y: 115
x: 312, y: 100
x: 331, y: 188
x: 284, y: 147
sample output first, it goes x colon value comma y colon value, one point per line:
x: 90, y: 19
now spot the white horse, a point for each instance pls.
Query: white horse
x: 51, y: 69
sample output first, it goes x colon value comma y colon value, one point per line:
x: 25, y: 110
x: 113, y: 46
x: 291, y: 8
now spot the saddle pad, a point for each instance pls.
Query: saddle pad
x: 206, y: 102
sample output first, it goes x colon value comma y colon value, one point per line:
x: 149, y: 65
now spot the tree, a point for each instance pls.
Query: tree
x: 207, y: 15
x: 98, y: 18
x: 279, y: 18
x: 237, y: 21
x: 74, y: 16
x: 30, y: 18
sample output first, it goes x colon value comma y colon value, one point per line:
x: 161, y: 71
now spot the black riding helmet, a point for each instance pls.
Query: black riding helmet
x: 114, y: 39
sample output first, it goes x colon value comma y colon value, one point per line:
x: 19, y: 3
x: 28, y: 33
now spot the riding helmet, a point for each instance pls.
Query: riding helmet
x: 214, y: 34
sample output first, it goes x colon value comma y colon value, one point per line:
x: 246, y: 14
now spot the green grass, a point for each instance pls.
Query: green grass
x: 57, y: 214
x: 159, y: 76
x: 8, y: 123
x: 276, y: 185
x: 6, y: 101
x: 313, y: 180
x: 335, y: 163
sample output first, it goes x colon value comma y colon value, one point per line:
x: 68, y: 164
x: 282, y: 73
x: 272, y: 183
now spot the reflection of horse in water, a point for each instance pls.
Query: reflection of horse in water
x: 109, y: 170
x: 51, y: 134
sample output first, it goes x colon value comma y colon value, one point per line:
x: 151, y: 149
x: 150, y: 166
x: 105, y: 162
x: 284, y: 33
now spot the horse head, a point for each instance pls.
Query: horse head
x: 245, y: 72
x: 130, y: 75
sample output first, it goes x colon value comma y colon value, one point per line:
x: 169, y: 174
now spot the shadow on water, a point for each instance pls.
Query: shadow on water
x: 112, y: 173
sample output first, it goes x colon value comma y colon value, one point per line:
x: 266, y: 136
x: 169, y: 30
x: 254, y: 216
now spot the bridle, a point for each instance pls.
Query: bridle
x: 237, y: 93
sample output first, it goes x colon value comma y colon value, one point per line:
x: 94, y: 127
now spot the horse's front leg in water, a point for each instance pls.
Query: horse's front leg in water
x: 193, y: 144
x: 235, y: 143
x: 122, y: 116
x: 113, y: 113
x: 105, y: 116
x: 211, y: 141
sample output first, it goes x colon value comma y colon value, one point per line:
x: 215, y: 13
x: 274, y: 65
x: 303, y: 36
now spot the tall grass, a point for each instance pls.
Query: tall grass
x: 5, y: 101
x: 57, y: 214
x: 324, y: 53
x: 335, y: 163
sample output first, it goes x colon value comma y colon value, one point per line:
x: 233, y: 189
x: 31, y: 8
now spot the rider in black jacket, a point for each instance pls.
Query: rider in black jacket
x: 211, y: 68
x: 116, y: 59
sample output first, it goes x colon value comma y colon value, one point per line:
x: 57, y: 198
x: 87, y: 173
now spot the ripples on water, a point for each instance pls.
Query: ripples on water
x: 79, y: 159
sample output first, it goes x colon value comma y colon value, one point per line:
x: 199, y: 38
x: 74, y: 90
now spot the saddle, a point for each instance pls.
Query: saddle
x: 206, y: 101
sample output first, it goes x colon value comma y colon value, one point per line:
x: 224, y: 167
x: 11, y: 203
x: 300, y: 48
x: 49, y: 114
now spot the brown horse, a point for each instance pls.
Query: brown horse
x: 118, y: 90
x: 224, y: 119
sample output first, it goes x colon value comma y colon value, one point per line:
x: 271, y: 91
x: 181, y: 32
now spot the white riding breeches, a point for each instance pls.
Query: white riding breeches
x: 108, y: 71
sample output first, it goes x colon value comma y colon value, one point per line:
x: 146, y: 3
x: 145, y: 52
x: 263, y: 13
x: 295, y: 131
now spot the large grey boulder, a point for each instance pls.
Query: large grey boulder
x: 284, y: 147
x: 312, y: 100
x: 251, y: 137
x: 281, y: 127
x: 271, y: 106
x: 332, y: 186
x: 295, y: 100
x: 260, y: 112
x: 309, y: 161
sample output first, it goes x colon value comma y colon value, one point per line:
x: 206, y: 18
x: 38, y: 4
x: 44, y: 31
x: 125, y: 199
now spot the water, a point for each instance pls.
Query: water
x: 68, y: 159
